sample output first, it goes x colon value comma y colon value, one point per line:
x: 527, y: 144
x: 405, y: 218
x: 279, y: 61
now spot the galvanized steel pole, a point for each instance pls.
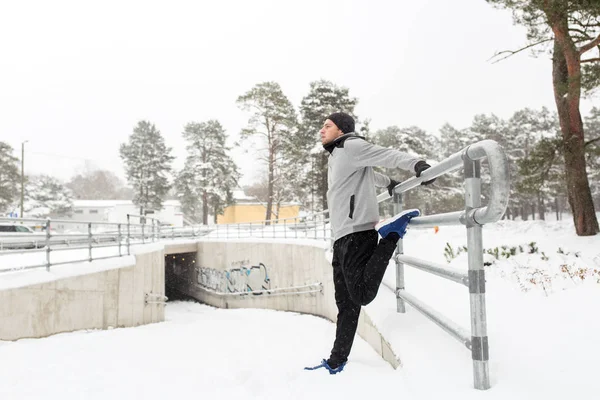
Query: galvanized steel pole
x: 119, y: 238
x: 128, y: 235
x: 400, y: 306
x: 90, y: 241
x: 479, y: 338
x: 48, y: 244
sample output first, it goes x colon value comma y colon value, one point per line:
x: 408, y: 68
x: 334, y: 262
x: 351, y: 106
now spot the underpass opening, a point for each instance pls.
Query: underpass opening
x: 179, y: 272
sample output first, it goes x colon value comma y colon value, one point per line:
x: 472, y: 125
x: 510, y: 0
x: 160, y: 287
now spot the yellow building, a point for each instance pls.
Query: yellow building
x: 248, y: 209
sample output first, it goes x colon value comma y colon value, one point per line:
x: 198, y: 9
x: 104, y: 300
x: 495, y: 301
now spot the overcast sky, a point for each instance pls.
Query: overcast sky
x: 76, y: 76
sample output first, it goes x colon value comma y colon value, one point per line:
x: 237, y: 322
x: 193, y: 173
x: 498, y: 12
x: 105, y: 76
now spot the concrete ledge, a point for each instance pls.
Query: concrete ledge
x: 96, y: 300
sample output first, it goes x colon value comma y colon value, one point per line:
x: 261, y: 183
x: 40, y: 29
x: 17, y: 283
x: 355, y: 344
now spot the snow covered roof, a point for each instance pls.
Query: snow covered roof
x: 240, y: 195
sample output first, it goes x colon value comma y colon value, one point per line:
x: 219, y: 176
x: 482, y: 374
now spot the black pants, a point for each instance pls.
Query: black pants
x: 359, y: 263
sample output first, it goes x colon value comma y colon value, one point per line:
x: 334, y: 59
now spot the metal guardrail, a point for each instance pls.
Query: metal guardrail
x: 316, y: 226
x: 473, y: 217
x: 99, y: 237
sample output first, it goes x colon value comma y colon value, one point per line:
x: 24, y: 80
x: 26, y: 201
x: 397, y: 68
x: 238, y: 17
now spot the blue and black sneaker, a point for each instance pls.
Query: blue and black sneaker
x: 397, y: 223
x: 324, y: 364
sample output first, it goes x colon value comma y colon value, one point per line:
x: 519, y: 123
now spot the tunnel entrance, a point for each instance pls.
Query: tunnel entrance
x: 179, y: 274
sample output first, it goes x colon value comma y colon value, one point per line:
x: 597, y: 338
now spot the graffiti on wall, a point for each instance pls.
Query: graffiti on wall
x: 242, y: 278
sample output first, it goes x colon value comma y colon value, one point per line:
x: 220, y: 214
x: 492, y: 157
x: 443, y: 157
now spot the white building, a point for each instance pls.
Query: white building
x: 116, y: 211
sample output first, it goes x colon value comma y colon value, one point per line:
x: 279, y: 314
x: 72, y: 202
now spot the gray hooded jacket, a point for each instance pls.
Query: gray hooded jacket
x: 352, y: 196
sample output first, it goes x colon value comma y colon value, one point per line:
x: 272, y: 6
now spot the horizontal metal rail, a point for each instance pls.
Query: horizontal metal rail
x: 452, y: 274
x: 455, y: 330
x: 271, y: 292
x: 499, y: 190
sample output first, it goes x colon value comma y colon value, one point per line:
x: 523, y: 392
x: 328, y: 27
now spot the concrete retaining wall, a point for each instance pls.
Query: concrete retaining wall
x: 116, y: 297
x: 287, y: 265
x: 99, y: 300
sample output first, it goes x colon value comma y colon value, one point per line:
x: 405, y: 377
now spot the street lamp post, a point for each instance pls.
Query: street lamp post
x: 22, y: 175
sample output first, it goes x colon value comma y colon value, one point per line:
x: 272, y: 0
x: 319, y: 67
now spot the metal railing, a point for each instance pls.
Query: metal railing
x: 473, y: 217
x: 82, y: 241
x: 316, y: 226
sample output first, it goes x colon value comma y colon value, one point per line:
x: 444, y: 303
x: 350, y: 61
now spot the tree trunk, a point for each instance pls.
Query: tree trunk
x: 557, y: 208
x: 524, y: 215
x: 567, y: 103
x: 204, y: 194
x: 204, y: 208
x: 270, y: 186
x: 541, y: 207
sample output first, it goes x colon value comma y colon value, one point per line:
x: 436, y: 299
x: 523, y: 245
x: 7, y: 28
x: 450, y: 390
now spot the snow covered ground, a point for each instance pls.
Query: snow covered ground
x: 543, y: 330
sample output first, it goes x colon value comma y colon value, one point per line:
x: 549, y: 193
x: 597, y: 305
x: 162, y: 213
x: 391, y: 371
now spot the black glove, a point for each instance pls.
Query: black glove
x: 391, y: 186
x: 419, y: 168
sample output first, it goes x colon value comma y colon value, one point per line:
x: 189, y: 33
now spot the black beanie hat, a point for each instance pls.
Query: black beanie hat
x: 343, y: 121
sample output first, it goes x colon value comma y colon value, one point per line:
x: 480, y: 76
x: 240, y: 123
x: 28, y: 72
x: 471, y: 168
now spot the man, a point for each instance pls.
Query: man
x: 359, y: 261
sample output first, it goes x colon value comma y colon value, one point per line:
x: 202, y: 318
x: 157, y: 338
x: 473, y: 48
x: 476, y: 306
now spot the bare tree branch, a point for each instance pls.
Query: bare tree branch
x: 590, y: 45
x: 591, y: 60
x: 583, y: 33
x: 591, y: 142
x: 511, y: 53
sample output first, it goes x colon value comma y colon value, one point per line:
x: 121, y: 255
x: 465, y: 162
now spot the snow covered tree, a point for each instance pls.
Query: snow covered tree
x: 445, y: 194
x: 573, y: 28
x: 97, y: 185
x: 273, y: 119
x: 210, y: 175
x: 531, y: 135
x: 592, y: 151
x: 323, y: 98
x: 147, y: 165
x: 540, y: 174
x: 9, y: 177
x: 46, y: 196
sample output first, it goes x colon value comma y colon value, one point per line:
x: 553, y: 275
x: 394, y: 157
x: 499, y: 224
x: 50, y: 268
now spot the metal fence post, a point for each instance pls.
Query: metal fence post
x: 128, y: 235
x: 400, y: 305
x: 153, y: 238
x: 143, y: 220
x: 479, y: 338
x: 90, y: 241
x: 158, y: 229
x: 48, y: 244
x: 119, y: 238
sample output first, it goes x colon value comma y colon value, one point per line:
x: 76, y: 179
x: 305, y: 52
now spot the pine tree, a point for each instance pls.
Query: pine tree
x: 46, y: 196
x: 9, y: 177
x: 147, y: 165
x: 206, y: 182
x: 541, y: 173
x: 573, y: 29
x: 525, y: 129
x: 273, y: 120
x: 323, y: 98
x: 412, y: 140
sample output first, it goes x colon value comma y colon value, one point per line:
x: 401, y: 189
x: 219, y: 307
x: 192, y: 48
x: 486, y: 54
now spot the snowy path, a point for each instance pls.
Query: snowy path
x: 542, y: 345
x: 199, y: 352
